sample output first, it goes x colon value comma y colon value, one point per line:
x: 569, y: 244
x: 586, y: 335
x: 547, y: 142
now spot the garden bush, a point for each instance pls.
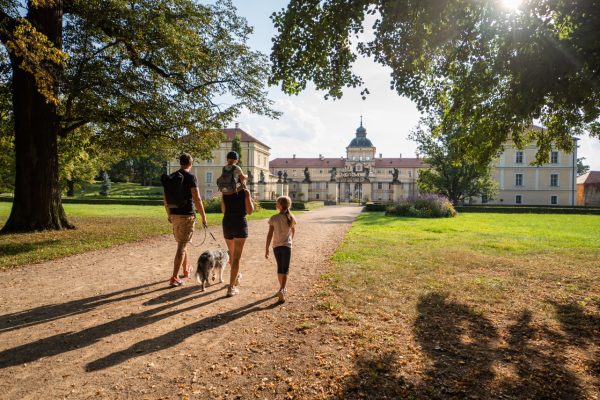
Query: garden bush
x: 423, y: 207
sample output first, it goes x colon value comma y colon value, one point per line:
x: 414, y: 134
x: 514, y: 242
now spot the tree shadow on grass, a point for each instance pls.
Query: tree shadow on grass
x: 13, y: 249
x: 51, y: 312
x: 177, y: 336
x: 466, y: 353
x: 64, y: 342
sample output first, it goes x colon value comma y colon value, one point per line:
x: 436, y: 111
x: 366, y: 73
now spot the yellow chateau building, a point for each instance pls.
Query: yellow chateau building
x: 363, y: 174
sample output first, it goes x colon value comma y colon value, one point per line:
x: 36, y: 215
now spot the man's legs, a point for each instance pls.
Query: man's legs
x: 180, y: 258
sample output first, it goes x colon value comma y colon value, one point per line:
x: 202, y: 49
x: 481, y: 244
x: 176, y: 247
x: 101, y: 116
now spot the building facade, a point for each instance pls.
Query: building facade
x: 255, y: 161
x: 520, y: 183
x: 588, y: 189
x: 360, y: 176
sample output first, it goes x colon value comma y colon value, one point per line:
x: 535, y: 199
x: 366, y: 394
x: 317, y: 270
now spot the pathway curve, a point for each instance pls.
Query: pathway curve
x: 105, y: 325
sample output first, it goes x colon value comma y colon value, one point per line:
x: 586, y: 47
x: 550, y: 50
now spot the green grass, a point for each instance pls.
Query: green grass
x: 97, y: 227
x: 121, y: 190
x: 488, y: 260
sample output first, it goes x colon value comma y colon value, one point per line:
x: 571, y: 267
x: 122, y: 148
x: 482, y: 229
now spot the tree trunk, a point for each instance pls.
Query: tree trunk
x: 70, y: 188
x: 37, y: 204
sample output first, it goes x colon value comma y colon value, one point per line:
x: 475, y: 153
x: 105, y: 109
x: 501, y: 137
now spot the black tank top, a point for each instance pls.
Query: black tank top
x: 235, y: 204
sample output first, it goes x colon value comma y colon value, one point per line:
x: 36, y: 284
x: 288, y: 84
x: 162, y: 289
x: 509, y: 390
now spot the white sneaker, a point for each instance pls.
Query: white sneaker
x: 232, y: 291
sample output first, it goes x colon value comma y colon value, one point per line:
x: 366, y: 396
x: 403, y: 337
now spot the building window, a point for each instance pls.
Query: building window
x: 518, y: 179
x: 209, y: 161
x: 208, y: 194
x: 409, y: 174
x: 209, y: 177
x: 554, y: 180
x: 519, y: 157
x: 519, y: 199
x: 320, y: 171
x: 484, y: 198
x: 554, y: 200
x: 317, y: 196
x: 379, y: 185
x: 554, y: 157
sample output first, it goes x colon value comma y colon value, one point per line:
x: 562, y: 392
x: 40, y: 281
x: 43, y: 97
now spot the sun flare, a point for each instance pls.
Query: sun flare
x: 511, y: 4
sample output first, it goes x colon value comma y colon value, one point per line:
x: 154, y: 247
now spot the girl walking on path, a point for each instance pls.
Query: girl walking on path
x: 282, y: 228
x: 235, y: 207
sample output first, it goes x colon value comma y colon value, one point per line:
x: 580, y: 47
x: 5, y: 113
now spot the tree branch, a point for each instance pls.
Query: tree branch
x: 72, y: 127
x: 7, y: 25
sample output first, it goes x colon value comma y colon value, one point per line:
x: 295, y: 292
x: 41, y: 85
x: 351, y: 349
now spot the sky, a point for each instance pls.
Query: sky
x: 311, y: 125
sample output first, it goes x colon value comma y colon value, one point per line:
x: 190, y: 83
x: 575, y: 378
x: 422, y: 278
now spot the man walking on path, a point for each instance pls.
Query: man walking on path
x: 183, y: 218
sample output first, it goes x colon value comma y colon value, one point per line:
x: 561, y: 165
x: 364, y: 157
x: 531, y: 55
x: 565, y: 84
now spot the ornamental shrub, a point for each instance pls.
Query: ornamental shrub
x: 423, y: 207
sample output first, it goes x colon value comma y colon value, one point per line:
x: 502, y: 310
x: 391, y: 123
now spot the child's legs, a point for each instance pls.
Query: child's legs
x: 283, y: 255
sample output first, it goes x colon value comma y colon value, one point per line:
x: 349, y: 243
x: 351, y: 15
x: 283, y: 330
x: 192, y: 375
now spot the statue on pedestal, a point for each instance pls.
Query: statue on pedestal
x: 285, y: 175
x: 367, y: 172
x: 306, y: 176
x: 333, y: 174
x: 250, y: 178
x: 261, y: 177
x: 279, y: 174
x: 395, y: 176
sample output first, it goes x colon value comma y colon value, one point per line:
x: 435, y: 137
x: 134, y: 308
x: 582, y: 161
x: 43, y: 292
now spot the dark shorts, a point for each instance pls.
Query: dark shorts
x: 235, y: 227
x: 283, y: 254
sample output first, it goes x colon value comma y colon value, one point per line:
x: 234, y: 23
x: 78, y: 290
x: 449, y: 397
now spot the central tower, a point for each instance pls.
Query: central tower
x: 360, y: 153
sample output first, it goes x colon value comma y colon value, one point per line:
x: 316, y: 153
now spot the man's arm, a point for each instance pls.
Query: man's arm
x: 269, y: 237
x: 199, y: 205
x: 167, y: 207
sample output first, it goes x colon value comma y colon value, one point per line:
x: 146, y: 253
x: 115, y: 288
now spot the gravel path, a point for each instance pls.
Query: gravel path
x: 105, y: 325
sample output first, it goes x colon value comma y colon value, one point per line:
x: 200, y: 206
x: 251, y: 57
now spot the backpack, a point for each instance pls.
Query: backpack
x: 227, y: 182
x: 173, y: 187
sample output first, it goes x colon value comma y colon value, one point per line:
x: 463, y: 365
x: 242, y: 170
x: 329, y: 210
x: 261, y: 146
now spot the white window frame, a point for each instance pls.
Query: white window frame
x: 208, y: 194
x: 379, y: 186
x: 517, y: 196
x: 552, y: 153
x: 557, y: 179
x: 519, y: 174
x: 208, y: 176
x: 517, y: 154
x: 555, y: 198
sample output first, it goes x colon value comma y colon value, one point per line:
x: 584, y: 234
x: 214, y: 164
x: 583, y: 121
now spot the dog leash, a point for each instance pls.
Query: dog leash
x: 211, y: 235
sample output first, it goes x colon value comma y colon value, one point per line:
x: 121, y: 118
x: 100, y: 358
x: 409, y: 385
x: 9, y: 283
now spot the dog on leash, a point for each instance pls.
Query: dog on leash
x: 209, y: 263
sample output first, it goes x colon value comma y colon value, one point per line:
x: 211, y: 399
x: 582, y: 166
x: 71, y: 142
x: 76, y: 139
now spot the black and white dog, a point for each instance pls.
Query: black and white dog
x: 209, y: 263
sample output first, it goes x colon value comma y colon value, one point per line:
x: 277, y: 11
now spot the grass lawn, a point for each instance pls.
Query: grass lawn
x: 98, y: 226
x: 478, y: 306
x: 121, y: 190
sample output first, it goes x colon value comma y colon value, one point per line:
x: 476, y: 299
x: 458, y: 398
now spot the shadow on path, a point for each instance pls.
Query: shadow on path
x: 175, y: 337
x: 65, y: 342
x: 51, y: 312
x: 466, y: 354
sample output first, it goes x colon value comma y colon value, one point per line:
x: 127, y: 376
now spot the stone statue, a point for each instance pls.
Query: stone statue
x: 250, y: 178
x: 395, y: 175
x: 279, y: 173
x: 367, y: 172
x: 261, y: 177
x: 333, y: 174
x: 285, y: 175
x: 306, y: 176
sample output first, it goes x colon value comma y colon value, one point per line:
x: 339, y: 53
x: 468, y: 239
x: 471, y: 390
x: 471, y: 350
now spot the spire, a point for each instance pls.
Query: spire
x: 361, y: 120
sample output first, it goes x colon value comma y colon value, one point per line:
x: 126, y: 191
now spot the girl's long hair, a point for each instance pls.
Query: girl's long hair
x: 285, y: 203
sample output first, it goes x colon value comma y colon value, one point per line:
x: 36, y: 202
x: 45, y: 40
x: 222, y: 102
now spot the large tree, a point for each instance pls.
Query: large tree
x: 450, y: 172
x: 498, y: 67
x: 140, y: 73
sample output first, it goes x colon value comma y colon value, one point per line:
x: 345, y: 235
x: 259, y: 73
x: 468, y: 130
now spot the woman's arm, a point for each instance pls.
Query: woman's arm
x: 249, y: 205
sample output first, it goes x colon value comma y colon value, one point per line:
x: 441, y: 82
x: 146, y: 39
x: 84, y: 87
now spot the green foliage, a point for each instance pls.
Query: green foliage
x: 296, y: 205
x: 425, y: 207
x: 7, y: 164
x: 236, y: 145
x: 440, y: 138
x: 581, y: 167
x: 529, y: 209
x: 497, y: 69
x: 105, y: 186
x: 213, y: 205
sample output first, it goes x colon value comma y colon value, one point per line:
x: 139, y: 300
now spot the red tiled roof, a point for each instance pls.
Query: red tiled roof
x: 400, y: 163
x: 244, y: 136
x: 307, y: 162
x: 589, y: 178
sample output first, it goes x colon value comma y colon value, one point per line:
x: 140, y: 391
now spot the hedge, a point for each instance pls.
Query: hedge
x: 296, y: 205
x: 128, y: 202
x: 529, y: 209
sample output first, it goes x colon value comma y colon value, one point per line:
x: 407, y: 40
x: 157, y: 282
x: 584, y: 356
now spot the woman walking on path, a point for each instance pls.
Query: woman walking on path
x: 282, y: 228
x: 235, y: 207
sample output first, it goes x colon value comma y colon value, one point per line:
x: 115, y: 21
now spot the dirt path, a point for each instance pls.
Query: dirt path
x: 105, y: 325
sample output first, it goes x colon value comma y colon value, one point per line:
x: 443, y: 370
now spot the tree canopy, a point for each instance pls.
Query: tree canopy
x: 141, y: 74
x: 498, y: 69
